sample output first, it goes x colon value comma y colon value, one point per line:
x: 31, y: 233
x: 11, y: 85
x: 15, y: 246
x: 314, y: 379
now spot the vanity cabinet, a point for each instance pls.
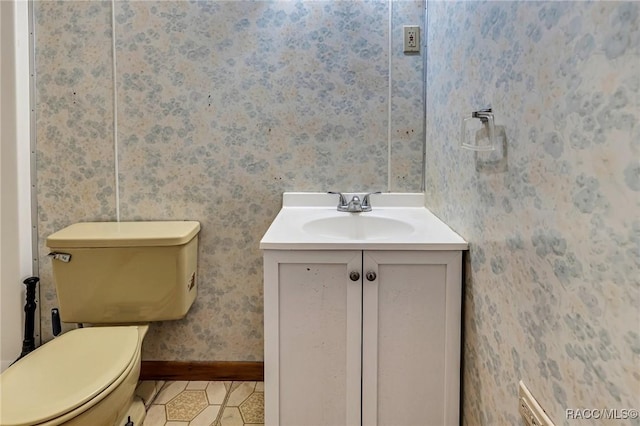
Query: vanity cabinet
x: 362, y: 337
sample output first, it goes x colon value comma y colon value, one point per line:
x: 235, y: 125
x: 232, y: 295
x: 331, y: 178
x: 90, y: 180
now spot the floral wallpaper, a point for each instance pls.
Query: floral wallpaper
x: 553, y: 215
x: 221, y: 107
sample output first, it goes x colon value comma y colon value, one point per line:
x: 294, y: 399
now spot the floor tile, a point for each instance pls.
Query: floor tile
x: 156, y: 416
x: 216, y: 391
x: 207, y: 416
x: 231, y: 417
x: 202, y: 403
x: 240, y: 393
x: 187, y: 405
x: 170, y: 391
x: 197, y: 385
x: 252, y: 409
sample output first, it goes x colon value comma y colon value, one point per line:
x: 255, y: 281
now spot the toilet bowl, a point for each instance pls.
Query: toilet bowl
x: 85, y: 377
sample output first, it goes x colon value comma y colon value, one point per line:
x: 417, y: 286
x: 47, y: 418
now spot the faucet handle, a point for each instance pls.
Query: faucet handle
x: 342, y: 201
x: 365, y: 199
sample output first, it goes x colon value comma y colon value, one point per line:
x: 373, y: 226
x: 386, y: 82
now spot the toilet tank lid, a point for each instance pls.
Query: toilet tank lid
x: 124, y: 234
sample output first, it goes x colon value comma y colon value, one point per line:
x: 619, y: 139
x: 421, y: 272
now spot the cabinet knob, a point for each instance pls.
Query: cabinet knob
x: 355, y: 276
x: 371, y: 276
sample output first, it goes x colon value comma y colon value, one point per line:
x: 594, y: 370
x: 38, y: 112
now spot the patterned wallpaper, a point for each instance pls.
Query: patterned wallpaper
x: 222, y: 106
x: 553, y: 216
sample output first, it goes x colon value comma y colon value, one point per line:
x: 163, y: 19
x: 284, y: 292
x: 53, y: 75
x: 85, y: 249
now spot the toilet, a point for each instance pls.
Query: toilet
x: 114, y: 278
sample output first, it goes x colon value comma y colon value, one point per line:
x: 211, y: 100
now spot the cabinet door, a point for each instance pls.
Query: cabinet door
x: 411, y: 338
x: 313, y: 313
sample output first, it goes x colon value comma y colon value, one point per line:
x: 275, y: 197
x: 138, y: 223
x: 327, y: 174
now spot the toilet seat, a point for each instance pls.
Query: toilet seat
x: 79, y: 368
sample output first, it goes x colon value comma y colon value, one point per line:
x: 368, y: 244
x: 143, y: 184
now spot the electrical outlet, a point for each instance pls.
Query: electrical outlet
x: 530, y: 410
x: 411, y: 38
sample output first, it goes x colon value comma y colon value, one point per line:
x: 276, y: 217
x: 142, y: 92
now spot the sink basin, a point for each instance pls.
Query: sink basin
x: 310, y: 221
x: 358, y: 227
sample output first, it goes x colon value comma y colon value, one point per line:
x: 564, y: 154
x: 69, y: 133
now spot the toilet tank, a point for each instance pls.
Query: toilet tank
x: 125, y: 272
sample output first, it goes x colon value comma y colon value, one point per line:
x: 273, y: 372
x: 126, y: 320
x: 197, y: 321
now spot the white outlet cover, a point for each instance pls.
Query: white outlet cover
x: 531, y: 411
x: 411, y: 35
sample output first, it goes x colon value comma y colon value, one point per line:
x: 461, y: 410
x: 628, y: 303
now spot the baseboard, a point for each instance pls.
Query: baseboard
x: 203, y: 370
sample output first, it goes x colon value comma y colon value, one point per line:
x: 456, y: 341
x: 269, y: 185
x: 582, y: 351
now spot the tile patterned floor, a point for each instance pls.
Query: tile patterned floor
x: 184, y: 403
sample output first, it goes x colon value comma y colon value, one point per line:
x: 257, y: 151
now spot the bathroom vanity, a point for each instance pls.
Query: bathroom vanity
x: 362, y: 314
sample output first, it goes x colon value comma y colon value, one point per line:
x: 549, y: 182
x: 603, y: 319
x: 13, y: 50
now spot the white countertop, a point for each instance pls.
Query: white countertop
x: 287, y: 232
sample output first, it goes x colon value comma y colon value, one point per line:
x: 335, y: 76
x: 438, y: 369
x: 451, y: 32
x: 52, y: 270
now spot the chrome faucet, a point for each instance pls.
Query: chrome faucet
x: 366, y: 203
x: 355, y: 205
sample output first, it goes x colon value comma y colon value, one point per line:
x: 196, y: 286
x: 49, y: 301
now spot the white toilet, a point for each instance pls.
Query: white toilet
x: 116, y: 277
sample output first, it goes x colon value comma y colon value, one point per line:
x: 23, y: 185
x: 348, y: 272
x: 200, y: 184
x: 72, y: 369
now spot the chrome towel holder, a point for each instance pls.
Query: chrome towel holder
x: 486, y: 118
